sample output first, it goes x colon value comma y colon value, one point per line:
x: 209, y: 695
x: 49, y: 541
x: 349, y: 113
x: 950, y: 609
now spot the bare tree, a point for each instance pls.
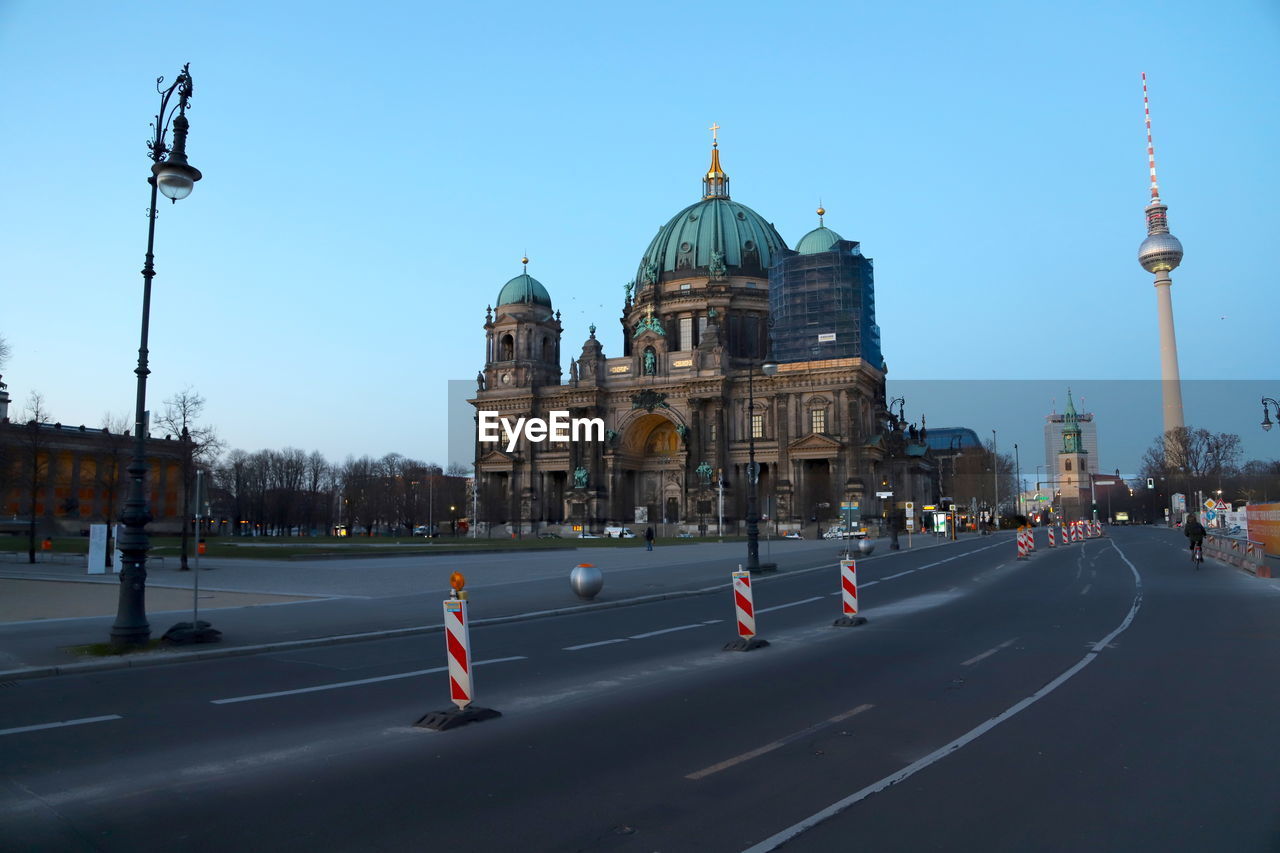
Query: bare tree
x: 5, y: 352
x: 200, y: 443
x: 35, y: 463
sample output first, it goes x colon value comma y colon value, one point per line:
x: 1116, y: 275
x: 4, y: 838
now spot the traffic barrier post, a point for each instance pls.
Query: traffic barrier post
x: 457, y: 640
x: 849, y: 596
x: 745, y: 613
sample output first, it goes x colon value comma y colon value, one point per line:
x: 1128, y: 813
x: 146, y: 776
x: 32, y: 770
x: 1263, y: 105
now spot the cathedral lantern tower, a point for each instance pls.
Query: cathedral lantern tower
x: 522, y: 336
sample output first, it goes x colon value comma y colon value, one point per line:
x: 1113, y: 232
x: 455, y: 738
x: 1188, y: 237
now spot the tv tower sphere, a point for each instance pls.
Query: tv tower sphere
x: 1160, y: 252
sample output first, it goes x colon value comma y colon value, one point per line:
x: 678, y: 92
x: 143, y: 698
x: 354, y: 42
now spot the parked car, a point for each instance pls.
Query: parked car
x: 589, y: 536
x: 794, y: 534
x: 618, y: 533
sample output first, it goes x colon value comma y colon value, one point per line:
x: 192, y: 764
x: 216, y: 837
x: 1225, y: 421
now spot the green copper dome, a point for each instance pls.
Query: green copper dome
x: 746, y: 242
x: 715, y: 237
x: 524, y: 288
x: 820, y: 239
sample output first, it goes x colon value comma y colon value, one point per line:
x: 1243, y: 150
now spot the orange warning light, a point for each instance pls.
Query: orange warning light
x: 457, y: 581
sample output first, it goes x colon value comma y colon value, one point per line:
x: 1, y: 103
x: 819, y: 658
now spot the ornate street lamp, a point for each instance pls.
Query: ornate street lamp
x: 173, y: 176
x: 768, y: 368
x: 1266, y: 413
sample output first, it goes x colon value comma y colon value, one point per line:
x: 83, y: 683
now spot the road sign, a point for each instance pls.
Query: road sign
x: 911, y: 505
x: 884, y: 494
x: 1210, y: 515
x: 953, y: 507
x: 929, y: 507
x: 1209, y: 504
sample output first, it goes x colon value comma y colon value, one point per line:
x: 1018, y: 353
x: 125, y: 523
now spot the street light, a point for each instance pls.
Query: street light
x: 995, y: 477
x: 768, y: 368
x: 1266, y: 414
x: 173, y: 176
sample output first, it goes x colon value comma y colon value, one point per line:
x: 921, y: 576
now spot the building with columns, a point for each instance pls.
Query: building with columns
x: 716, y: 295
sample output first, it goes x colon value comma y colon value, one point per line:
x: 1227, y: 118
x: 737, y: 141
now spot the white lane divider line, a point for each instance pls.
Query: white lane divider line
x: 712, y: 621
x: 1086, y: 589
x: 770, y: 747
x: 864, y: 585
x: 340, y: 684
x: 989, y: 652
x: 898, y: 575
x: 777, y: 840
x: 791, y: 604
x: 664, y: 631
x: 593, y: 645
x: 80, y: 722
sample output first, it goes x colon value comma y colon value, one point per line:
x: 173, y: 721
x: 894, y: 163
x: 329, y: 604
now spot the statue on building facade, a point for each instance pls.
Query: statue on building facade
x: 580, y: 477
x: 718, y: 270
x: 650, y: 363
x: 704, y: 473
x: 480, y: 380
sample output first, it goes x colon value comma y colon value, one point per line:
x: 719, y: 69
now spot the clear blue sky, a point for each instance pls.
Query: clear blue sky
x: 373, y: 173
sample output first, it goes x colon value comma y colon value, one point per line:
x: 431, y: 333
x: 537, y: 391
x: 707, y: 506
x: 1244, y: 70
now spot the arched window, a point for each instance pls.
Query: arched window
x: 1068, y: 465
x: 547, y: 354
x: 507, y: 348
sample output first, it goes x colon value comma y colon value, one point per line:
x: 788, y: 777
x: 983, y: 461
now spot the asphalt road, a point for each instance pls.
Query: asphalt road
x: 1097, y: 697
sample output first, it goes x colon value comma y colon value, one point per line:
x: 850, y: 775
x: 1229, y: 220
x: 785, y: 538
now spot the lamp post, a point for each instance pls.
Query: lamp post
x: 1266, y: 413
x: 173, y: 176
x: 995, y: 477
x: 769, y: 368
x: 1017, y: 467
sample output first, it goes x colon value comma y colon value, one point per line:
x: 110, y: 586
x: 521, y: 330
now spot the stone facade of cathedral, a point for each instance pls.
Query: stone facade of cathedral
x: 696, y: 390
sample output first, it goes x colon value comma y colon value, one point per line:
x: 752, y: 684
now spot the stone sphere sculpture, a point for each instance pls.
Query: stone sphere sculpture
x: 586, y: 581
x: 866, y: 546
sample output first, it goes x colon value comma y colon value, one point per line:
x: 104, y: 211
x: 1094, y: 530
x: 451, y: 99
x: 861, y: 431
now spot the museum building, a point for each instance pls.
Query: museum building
x: 734, y: 345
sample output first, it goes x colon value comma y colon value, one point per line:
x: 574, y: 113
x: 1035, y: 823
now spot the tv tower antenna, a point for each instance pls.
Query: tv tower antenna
x: 1160, y: 253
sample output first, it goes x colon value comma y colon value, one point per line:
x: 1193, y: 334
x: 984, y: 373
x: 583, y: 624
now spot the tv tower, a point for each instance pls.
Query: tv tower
x: 1159, y: 254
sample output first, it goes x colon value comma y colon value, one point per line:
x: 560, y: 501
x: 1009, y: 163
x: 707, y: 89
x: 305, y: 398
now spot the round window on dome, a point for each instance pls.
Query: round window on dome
x: 748, y: 245
x: 684, y: 247
x: 693, y: 217
x: 742, y: 216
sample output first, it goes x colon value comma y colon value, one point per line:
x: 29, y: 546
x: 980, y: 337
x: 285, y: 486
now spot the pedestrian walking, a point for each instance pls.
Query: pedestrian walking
x: 648, y: 539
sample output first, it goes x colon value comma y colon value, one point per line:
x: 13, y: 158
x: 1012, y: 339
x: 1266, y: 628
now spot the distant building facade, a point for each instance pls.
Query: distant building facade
x: 71, y: 477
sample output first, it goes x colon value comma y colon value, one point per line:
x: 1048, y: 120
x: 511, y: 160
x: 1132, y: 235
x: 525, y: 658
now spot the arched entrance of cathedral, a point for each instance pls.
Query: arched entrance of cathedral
x: 649, y: 466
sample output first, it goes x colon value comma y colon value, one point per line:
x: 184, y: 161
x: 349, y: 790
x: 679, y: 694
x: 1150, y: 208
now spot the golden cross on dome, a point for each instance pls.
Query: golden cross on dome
x: 714, y: 127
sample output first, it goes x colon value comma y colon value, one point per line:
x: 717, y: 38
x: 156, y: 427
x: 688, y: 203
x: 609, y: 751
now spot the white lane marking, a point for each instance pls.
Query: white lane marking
x: 593, y: 645
x: 770, y: 747
x: 989, y: 652
x: 898, y: 575
x: 712, y: 621
x: 340, y: 684
x: 1086, y: 589
x: 791, y: 604
x: 80, y: 722
x: 664, y: 631
x: 777, y: 840
x: 868, y: 583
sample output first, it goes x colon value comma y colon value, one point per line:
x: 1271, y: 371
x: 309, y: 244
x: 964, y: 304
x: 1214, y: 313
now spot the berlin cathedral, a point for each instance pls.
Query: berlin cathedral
x: 735, y: 347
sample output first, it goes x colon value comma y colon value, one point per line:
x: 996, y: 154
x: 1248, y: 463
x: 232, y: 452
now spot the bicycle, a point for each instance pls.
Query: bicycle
x: 1197, y: 555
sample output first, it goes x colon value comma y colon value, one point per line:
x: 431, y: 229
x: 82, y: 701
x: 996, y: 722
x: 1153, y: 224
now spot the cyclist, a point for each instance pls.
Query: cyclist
x: 1194, y: 531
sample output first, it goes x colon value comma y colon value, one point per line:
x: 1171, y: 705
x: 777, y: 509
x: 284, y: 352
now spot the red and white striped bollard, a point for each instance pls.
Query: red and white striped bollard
x: 745, y: 613
x: 849, y: 596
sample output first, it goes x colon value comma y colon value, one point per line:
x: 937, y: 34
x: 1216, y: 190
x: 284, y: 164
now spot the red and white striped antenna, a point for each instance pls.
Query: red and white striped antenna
x: 1151, y: 149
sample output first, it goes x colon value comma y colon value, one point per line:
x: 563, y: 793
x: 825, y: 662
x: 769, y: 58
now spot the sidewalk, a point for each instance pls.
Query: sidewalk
x: 262, y: 605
